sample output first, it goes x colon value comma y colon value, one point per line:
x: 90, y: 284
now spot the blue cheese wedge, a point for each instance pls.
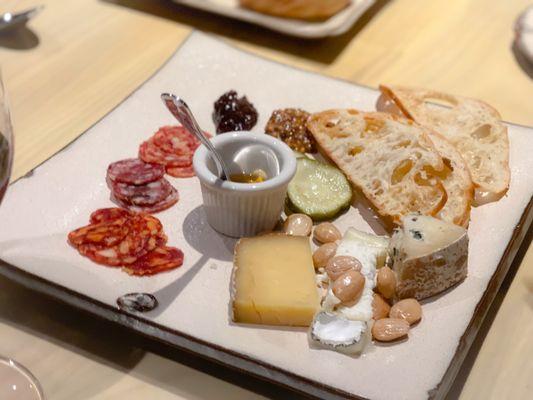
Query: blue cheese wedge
x: 429, y: 256
x: 346, y: 328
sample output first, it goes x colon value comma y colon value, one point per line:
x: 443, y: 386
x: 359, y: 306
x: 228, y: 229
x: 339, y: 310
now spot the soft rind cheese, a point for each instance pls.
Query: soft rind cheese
x: 273, y: 281
x: 331, y: 331
x: 429, y: 256
x: 371, y: 251
x: 343, y: 328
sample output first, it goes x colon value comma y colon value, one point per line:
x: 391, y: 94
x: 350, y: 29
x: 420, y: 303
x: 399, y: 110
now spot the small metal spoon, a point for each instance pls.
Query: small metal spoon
x: 9, y: 21
x: 179, y: 109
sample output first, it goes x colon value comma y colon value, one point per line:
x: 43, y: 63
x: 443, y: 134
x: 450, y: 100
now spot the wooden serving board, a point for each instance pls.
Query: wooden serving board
x: 59, y: 195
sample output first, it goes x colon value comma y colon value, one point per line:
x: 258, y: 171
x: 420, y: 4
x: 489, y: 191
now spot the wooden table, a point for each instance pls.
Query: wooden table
x: 80, y: 58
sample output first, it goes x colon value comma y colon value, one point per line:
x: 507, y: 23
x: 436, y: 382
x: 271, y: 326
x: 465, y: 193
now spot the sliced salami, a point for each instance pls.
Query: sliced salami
x: 118, y: 237
x: 134, y: 171
x: 151, y: 153
x: 168, y: 202
x: 181, y: 172
x: 173, y: 139
x: 160, y: 259
x: 109, y: 214
x: 106, y: 256
x: 103, y: 234
x: 142, y: 237
x: 143, y: 195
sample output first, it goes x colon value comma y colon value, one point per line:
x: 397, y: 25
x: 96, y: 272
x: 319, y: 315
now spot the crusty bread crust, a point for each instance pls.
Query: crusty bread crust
x: 472, y: 126
x: 390, y: 159
x: 297, y: 9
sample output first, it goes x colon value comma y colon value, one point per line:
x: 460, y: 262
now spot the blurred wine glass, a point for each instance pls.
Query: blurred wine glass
x: 6, y: 141
x: 16, y: 382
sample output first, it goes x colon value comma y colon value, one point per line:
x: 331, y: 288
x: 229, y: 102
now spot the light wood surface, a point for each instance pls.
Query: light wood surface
x: 78, y: 59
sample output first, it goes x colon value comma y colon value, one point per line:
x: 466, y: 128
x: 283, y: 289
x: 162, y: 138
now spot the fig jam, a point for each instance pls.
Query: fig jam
x: 290, y: 126
x: 233, y: 113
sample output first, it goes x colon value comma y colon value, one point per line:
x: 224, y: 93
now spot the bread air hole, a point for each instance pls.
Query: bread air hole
x: 337, y: 134
x: 376, y: 187
x: 442, y: 174
x: 440, y: 101
x: 428, y: 176
x: 355, y: 150
x: 402, y: 144
x: 448, y: 164
x: 476, y: 161
x: 483, y: 132
x: 488, y: 179
x: 401, y: 171
x: 372, y: 126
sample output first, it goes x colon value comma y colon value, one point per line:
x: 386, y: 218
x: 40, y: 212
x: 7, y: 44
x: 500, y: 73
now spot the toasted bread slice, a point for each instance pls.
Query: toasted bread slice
x: 472, y: 126
x: 298, y: 9
x: 390, y: 159
x: 456, y: 178
x: 457, y: 182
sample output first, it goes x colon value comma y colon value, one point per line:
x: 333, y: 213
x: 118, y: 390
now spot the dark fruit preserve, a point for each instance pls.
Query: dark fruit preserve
x: 233, y: 113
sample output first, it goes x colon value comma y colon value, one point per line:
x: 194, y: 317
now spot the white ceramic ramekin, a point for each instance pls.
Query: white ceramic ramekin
x: 243, y: 209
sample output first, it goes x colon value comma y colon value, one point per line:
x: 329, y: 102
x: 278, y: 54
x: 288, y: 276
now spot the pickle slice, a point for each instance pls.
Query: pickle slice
x: 318, y: 190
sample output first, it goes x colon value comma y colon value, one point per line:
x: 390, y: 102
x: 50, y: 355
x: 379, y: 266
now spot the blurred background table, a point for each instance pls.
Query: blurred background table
x: 79, y: 59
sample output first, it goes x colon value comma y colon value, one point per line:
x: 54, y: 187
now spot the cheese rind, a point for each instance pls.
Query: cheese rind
x: 273, y: 281
x: 429, y: 256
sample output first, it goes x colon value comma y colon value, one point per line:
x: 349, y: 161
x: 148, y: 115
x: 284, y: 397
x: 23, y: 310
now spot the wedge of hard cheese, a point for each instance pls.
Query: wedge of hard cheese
x: 273, y: 281
x: 472, y: 126
x: 429, y: 256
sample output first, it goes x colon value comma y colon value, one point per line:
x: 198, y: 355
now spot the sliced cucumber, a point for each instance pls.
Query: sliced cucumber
x: 318, y: 190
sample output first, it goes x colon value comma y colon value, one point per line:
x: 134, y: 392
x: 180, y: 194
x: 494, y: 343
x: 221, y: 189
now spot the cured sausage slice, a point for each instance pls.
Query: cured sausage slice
x: 118, y: 237
x: 145, y: 233
x: 173, y: 139
x: 160, y: 259
x: 168, y: 202
x: 105, y: 234
x: 143, y: 195
x: 109, y: 214
x: 106, y: 256
x: 181, y: 172
x: 151, y: 153
x: 134, y: 171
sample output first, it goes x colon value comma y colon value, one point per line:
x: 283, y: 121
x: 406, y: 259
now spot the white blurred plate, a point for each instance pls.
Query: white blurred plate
x: 336, y: 25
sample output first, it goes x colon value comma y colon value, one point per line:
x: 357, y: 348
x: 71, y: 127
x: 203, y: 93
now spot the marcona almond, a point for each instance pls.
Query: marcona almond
x: 322, y: 255
x: 326, y: 232
x: 408, y: 309
x: 386, y: 282
x: 389, y: 329
x: 338, y: 265
x: 348, y: 287
x: 380, y: 308
x: 298, y: 225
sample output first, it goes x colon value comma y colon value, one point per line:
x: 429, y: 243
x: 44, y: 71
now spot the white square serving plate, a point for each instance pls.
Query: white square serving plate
x: 334, y: 26
x: 193, y: 312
